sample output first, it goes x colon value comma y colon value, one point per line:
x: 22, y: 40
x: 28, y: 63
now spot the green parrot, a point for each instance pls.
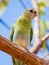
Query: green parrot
x: 21, y: 31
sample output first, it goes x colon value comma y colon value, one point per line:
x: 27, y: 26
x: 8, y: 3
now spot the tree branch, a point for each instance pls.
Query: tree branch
x: 36, y: 49
x: 38, y: 43
x: 36, y: 34
x: 45, y: 37
x: 20, y: 53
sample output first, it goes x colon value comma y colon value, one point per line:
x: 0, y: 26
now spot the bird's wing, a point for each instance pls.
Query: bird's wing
x: 31, y: 34
x: 11, y: 33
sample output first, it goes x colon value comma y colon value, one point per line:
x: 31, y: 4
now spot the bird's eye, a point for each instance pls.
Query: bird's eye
x: 31, y: 11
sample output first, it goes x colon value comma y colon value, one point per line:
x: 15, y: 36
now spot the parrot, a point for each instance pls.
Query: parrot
x: 21, y: 31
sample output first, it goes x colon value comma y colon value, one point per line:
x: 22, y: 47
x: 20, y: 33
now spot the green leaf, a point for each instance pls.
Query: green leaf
x: 5, y: 2
x: 42, y: 4
x: 43, y: 32
x: 44, y: 46
x: 42, y: 12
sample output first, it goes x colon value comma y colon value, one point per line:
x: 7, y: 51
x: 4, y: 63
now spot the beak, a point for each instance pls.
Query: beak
x: 35, y: 13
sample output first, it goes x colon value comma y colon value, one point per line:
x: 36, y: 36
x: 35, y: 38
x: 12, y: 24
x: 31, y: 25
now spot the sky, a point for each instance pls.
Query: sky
x: 14, y: 9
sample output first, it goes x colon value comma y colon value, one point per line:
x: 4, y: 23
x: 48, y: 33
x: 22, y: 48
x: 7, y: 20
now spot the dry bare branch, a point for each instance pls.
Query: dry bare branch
x: 38, y: 43
x: 37, y: 48
x: 45, y: 37
x: 36, y: 34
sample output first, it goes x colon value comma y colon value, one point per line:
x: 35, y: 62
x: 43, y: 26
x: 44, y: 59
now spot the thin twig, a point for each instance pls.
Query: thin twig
x: 45, y: 37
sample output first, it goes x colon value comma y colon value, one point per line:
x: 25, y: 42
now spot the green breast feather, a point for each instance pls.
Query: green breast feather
x: 21, y: 29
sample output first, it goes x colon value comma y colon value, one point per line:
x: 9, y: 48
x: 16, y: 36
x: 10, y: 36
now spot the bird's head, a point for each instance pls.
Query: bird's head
x: 30, y: 13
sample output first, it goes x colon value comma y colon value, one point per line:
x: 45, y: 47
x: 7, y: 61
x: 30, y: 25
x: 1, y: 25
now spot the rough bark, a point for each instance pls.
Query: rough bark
x: 20, y: 53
